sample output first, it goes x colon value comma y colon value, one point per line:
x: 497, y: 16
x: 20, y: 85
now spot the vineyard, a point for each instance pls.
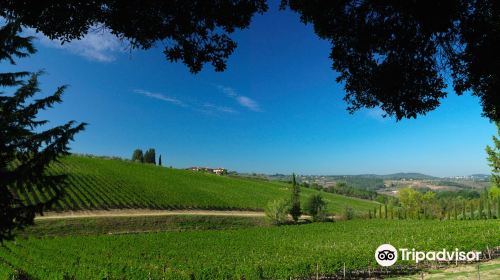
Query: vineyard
x: 254, y: 253
x: 96, y: 183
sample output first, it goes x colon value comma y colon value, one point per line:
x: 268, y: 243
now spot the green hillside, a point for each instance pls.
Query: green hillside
x: 97, y: 183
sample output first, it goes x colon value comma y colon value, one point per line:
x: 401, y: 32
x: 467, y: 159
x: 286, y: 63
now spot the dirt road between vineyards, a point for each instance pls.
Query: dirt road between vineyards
x: 144, y: 212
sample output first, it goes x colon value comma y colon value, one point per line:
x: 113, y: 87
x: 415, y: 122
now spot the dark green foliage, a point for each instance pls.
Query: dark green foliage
x: 380, y: 211
x: 138, y: 156
x: 463, y: 211
x: 316, y: 207
x: 498, y: 208
x: 396, y: 54
x: 488, y: 208
x: 494, y: 158
x: 466, y: 194
x: 194, y: 32
x: 385, y: 211
x: 344, y: 189
x: 295, y: 210
x: 150, y: 156
x: 472, y: 211
x: 481, y: 209
x: 455, y: 212
x: 348, y: 213
x: 159, y: 160
x: 389, y: 54
x: 26, y: 150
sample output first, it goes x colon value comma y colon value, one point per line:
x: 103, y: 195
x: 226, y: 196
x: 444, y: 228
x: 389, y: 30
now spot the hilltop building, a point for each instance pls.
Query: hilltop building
x: 217, y: 171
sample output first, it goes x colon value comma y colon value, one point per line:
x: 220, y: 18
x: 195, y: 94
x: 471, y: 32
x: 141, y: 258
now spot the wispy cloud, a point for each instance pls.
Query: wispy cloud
x: 242, y: 100
x: 208, y: 108
x: 222, y: 109
x: 161, y: 97
x: 99, y: 46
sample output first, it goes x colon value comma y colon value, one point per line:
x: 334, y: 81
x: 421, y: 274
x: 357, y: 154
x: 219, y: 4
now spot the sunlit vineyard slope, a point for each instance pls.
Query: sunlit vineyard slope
x: 96, y: 183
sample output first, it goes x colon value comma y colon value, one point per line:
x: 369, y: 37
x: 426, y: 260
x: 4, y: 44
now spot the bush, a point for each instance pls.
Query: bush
x: 315, y: 207
x: 277, y: 211
x: 348, y: 213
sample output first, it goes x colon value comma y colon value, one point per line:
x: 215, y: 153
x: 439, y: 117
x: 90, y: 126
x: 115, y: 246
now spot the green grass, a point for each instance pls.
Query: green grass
x: 255, y: 253
x: 97, y: 183
x: 137, y: 224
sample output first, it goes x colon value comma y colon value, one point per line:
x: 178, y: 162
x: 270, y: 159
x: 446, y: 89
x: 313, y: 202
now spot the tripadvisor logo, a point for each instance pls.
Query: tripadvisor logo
x: 387, y: 255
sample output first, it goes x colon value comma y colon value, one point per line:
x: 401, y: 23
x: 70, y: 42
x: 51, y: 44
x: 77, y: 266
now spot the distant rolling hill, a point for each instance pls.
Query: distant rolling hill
x: 96, y: 183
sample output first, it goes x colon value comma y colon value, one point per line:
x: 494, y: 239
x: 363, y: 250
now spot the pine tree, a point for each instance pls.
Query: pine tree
x: 138, y: 156
x: 159, y: 160
x: 295, y: 211
x: 26, y: 151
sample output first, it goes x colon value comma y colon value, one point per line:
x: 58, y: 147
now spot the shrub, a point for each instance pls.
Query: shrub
x: 348, y: 213
x: 277, y: 211
x: 316, y: 206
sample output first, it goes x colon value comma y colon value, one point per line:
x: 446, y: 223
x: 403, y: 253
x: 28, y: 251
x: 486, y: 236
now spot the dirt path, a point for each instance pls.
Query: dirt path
x: 144, y: 212
x: 487, y: 271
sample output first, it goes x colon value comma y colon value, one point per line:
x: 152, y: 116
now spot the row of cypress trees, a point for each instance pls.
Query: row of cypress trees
x: 146, y: 157
x: 468, y: 211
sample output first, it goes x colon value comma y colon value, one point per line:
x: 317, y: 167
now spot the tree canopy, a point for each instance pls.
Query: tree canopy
x: 192, y: 31
x: 396, y: 55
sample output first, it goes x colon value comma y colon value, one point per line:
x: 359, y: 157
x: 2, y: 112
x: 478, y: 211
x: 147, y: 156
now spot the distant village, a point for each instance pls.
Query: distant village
x: 217, y: 171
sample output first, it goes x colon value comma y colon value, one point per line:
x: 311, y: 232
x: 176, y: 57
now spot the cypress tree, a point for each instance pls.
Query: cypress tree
x: 488, y: 208
x: 138, y: 156
x: 380, y: 211
x: 159, y: 160
x: 369, y: 214
x: 471, y: 211
x: 455, y: 210
x: 295, y: 211
x: 481, y: 208
x: 374, y: 212
x: 463, y: 210
x: 385, y: 211
x: 26, y: 149
x: 498, y: 208
x: 150, y: 156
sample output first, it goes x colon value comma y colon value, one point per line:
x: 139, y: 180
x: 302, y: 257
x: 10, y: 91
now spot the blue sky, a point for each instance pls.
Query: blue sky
x: 276, y: 108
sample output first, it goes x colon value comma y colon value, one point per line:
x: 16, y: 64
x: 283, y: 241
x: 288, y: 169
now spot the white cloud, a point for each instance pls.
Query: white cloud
x: 210, y: 107
x: 161, y: 97
x: 99, y: 46
x: 244, y: 101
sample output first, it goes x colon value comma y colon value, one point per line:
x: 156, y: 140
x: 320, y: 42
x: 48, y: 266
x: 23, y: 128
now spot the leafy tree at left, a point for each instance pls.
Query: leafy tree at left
x: 27, y: 146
